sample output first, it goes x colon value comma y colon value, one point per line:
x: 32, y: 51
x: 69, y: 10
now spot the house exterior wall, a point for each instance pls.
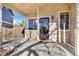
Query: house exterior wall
x: 73, y: 23
x: 53, y: 10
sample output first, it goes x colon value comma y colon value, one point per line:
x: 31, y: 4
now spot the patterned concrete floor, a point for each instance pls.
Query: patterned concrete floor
x: 25, y: 47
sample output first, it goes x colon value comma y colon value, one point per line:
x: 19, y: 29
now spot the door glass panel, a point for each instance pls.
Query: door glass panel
x: 61, y: 22
x: 32, y: 25
x: 64, y: 19
x: 44, y: 28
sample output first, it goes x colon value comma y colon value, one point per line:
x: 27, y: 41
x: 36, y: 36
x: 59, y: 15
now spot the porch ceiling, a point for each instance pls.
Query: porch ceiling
x: 29, y: 8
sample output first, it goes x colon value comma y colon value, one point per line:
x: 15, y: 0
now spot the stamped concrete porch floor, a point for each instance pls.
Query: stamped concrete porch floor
x: 28, y: 47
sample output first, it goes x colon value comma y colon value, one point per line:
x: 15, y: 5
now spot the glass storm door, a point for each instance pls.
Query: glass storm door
x: 44, y: 28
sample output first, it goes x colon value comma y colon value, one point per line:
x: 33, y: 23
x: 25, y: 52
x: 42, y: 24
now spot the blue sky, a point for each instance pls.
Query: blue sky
x: 17, y: 18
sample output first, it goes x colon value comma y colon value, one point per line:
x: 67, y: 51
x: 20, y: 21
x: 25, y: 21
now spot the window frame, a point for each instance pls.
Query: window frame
x: 59, y: 20
x: 28, y: 23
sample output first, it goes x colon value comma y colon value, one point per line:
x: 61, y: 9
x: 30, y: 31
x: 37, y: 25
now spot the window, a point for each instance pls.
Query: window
x: 64, y: 19
x: 7, y: 17
x: 32, y: 24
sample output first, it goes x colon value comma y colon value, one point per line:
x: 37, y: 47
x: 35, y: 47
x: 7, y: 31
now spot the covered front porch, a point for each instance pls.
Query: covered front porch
x: 49, y: 30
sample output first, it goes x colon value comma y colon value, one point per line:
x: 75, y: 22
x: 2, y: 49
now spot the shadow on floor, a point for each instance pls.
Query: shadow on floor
x: 32, y: 51
x: 28, y: 49
x: 15, y: 48
x: 6, y: 42
x: 69, y: 48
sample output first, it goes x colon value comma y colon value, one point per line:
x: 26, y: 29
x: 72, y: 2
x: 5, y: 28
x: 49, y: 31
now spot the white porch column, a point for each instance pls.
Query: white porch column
x: 64, y: 34
x: 38, y: 23
x: 59, y: 31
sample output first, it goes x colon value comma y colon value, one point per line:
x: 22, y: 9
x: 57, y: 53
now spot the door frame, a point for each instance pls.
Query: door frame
x: 27, y: 31
x: 59, y: 30
x: 44, y: 17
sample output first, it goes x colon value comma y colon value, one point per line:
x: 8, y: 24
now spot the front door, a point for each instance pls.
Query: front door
x: 44, y: 28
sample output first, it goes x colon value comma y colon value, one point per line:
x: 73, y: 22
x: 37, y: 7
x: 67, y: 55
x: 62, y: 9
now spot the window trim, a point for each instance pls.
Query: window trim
x: 59, y: 20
